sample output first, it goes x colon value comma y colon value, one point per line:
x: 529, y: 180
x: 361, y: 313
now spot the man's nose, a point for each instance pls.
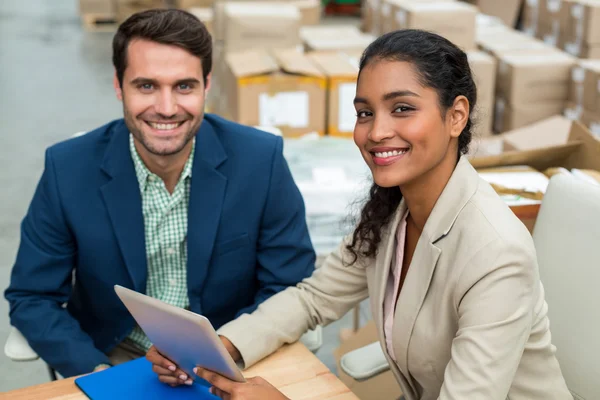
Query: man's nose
x: 166, y: 104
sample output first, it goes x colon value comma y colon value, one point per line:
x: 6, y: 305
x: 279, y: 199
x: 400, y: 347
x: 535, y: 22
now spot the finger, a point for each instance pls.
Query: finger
x: 154, y: 356
x: 215, y: 379
x: 162, y: 371
x: 171, y: 380
x: 219, y: 393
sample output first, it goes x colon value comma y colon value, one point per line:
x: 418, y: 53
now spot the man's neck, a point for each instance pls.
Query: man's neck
x: 168, y: 168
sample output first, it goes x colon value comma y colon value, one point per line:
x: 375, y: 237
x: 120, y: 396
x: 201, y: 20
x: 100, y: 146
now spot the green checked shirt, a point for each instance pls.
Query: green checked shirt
x: 165, y: 226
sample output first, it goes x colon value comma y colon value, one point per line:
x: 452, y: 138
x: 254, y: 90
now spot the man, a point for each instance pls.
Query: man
x: 191, y: 209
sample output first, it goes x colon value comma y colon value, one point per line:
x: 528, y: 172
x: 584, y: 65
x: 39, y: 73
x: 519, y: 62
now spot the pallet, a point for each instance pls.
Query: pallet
x: 99, y: 22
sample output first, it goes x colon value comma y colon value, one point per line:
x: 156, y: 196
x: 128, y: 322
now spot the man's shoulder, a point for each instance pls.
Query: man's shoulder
x: 86, y: 145
x: 242, y: 136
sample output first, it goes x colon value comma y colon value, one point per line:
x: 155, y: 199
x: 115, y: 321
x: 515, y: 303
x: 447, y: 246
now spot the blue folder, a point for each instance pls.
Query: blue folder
x: 135, y: 380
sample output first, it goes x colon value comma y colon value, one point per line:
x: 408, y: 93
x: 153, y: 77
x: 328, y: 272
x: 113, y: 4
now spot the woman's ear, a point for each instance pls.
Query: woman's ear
x: 459, y: 115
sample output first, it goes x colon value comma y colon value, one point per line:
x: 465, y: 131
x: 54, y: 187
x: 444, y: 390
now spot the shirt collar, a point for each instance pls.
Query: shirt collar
x: 142, y: 172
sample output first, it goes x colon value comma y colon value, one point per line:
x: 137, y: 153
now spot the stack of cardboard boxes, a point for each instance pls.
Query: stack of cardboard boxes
x: 572, y: 25
x: 584, y: 99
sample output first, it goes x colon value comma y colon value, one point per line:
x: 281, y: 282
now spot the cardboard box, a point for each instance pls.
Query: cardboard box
x: 284, y: 90
x: 502, y: 43
x: 185, y: 4
x: 103, y: 7
x: 584, y: 22
x: 526, y: 78
x: 310, y: 11
x: 334, y: 38
x: 389, y: 9
x: 506, y: 10
x: 591, y: 120
x: 531, y: 17
x: 126, y: 8
x: 508, y: 117
x: 582, y: 151
x: 455, y: 21
x: 341, y: 73
x: 380, y: 387
x: 584, y: 51
x: 205, y: 15
x: 254, y: 25
x: 591, y: 84
x: 483, y: 67
x: 371, y: 17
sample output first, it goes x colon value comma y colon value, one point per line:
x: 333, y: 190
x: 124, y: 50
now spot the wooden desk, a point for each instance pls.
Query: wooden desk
x: 292, y: 369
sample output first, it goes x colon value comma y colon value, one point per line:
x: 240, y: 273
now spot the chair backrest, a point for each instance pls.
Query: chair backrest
x: 567, y: 240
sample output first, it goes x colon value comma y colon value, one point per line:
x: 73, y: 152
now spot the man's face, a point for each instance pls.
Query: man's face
x: 163, y: 96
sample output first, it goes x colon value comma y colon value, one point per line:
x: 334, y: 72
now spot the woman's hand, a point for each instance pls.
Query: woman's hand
x: 166, y: 370
x: 253, y: 389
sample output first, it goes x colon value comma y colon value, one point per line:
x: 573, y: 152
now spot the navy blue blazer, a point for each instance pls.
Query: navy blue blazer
x: 84, y: 232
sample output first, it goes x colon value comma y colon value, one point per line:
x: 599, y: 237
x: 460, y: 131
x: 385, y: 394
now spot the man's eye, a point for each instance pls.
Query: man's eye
x: 146, y: 86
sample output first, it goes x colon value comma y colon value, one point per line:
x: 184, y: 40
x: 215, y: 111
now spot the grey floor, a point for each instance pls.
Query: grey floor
x: 55, y: 80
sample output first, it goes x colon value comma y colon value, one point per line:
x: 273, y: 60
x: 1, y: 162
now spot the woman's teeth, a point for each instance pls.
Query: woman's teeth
x: 164, y: 127
x: 392, y: 153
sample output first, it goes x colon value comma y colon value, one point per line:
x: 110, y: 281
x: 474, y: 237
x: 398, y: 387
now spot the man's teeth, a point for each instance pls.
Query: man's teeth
x: 164, y: 127
x: 392, y: 153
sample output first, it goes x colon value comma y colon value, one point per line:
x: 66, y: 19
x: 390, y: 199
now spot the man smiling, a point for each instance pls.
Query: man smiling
x: 189, y: 208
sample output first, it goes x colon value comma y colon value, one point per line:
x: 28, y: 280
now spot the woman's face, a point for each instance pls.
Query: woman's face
x: 400, y: 129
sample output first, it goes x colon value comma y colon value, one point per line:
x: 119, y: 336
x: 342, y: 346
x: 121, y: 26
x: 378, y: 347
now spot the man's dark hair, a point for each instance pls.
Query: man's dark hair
x: 166, y: 26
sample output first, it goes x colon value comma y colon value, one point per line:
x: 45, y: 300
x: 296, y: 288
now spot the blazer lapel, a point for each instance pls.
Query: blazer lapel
x: 459, y: 189
x: 124, y: 205
x: 204, y: 211
x: 411, y: 299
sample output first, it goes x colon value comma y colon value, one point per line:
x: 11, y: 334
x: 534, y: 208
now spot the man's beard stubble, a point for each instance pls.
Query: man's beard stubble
x: 130, y: 122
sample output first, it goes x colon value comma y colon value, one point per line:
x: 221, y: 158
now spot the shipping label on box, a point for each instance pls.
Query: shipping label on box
x: 283, y: 90
x: 341, y: 71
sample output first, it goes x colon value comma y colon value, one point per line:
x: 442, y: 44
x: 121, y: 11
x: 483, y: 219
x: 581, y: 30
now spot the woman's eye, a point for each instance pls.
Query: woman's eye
x: 402, y: 109
x: 363, y: 114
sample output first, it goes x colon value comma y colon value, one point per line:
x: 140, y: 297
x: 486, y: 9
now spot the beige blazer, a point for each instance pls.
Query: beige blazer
x: 471, y: 320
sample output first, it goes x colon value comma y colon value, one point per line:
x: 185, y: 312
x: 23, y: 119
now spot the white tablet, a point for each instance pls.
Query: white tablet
x: 186, y: 338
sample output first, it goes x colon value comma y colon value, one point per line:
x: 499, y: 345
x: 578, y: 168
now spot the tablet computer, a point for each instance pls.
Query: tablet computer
x: 186, y: 338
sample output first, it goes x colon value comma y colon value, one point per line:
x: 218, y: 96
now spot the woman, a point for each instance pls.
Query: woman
x: 451, y: 273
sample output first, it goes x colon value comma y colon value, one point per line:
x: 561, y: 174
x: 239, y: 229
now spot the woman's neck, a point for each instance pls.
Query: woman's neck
x: 422, y: 194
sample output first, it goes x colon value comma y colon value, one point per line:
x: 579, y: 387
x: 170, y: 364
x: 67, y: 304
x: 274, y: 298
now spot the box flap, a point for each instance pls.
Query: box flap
x: 251, y: 63
x: 539, y: 159
x: 335, y: 64
x: 588, y: 157
x: 552, y: 131
x: 581, y: 151
x: 294, y: 62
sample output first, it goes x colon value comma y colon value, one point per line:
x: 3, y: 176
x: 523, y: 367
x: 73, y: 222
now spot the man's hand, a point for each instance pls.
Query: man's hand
x: 253, y: 389
x: 166, y: 370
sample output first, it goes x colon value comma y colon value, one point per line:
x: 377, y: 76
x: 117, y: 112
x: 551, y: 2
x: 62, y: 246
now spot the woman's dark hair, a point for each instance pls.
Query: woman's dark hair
x: 440, y: 65
x: 166, y: 26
